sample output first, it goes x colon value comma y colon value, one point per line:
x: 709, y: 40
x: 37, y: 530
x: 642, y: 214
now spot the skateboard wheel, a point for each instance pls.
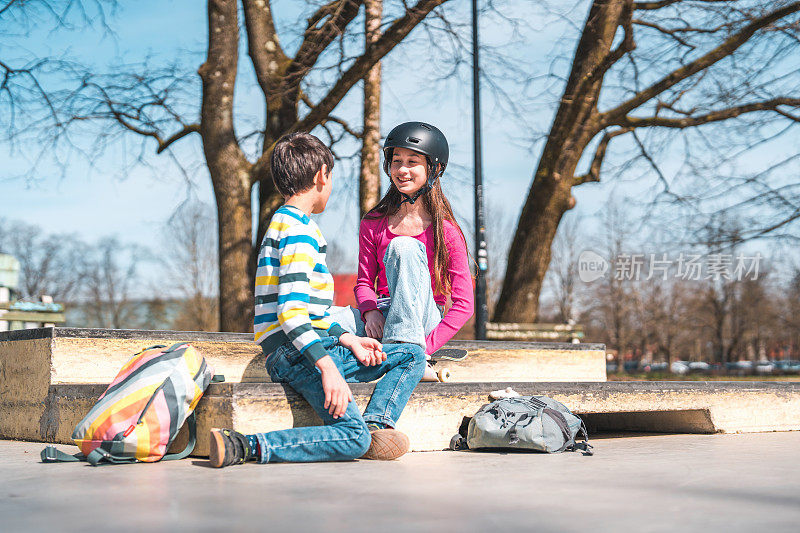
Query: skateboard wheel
x: 444, y: 375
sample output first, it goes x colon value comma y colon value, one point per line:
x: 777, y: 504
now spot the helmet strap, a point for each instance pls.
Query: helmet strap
x: 413, y: 198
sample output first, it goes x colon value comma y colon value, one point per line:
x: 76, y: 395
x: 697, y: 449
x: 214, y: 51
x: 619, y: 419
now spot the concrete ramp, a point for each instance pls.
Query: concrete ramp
x: 50, y: 378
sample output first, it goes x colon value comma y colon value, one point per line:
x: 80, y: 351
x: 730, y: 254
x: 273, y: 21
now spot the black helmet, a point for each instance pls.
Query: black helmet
x: 425, y: 139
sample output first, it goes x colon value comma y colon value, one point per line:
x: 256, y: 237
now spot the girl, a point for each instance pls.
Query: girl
x: 411, y: 245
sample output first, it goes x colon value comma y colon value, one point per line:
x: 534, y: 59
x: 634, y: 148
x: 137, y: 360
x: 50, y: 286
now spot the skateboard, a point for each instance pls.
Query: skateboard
x: 445, y: 354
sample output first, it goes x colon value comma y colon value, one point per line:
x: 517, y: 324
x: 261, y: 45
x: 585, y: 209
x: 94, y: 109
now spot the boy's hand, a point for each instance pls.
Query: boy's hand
x: 373, y: 324
x: 337, y: 391
x: 368, y: 351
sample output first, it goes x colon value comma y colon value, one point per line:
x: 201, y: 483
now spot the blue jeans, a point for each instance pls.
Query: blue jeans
x: 347, y: 437
x: 411, y: 313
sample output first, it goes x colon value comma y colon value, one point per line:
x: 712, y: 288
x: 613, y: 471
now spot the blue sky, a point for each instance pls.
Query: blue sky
x: 100, y: 201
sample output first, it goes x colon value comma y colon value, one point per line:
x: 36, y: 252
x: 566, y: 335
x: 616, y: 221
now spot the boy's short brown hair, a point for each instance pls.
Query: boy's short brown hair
x: 296, y: 158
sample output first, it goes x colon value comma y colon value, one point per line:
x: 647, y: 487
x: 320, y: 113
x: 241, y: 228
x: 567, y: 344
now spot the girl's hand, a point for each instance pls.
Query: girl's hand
x: 373, y: 324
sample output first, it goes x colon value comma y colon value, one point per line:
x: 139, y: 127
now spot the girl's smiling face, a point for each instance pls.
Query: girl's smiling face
x: 408, y: 170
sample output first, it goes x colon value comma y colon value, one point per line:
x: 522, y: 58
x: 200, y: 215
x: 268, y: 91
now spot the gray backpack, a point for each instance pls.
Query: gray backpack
x: 525, y: 422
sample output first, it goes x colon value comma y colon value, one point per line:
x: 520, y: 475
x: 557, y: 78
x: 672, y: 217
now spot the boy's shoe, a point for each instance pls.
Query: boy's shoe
x: 228, y: 447
x: 387, y: 444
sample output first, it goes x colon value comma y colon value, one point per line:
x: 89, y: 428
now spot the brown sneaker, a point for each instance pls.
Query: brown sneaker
x: 228, y: 447
x: 387, y: 444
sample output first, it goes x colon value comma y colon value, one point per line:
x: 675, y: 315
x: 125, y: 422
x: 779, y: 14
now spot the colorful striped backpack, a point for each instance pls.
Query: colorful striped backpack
x: 141, y: 412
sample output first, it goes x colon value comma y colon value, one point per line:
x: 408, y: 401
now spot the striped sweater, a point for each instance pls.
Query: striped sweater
x: 294, y: 288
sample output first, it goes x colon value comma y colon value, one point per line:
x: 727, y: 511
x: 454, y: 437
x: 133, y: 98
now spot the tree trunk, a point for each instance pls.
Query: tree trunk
x: 228, y: 167
x: 235, y: 244
x: 575, y: 124
x: 369, y: 182
x: 529, y: 255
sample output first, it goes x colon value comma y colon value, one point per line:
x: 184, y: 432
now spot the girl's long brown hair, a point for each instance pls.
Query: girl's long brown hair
x: 439, y: 208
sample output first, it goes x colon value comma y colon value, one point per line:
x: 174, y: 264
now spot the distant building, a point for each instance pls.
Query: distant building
x: 15, y: 314
x: 9, y: 277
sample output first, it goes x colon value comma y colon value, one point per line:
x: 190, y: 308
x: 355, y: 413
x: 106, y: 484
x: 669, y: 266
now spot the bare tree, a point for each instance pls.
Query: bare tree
x: 111, y: 277
x: 682, y: 65
x: 563, y: 272
x: 156, y: 314
x: 499, y: 228
x: 49, y: 264
x: 26, y: 103
x: 191, y: 265
x: 611, y: 304
x: 788, y: 319
x: 669, y: 314
x: 760, y: 315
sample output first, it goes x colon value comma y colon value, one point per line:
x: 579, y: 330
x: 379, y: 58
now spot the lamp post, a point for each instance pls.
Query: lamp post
x: 481, y: 308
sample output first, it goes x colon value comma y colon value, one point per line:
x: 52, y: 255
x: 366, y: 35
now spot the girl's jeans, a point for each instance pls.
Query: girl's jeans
x: 411, y: 313
x: 347, y: 437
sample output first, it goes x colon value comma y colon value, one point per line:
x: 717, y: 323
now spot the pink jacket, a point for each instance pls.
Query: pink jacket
x: 374, y: 237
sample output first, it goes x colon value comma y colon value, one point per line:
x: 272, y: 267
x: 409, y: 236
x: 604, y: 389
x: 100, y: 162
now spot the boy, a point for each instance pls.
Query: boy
x: 315, y: 356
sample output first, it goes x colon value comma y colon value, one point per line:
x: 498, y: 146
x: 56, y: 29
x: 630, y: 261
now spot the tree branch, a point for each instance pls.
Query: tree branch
x: 163, y: 145
x: 264, y: 48
x: 28, y: 72
x: 339, y: 13
x: 8, y: 6
x: 661, y: 177
x: 725, y: 49
x: 769, y: 229
x: 345, y: 126
x: 713, y: 116
x: 649, y: 6
x: 593, y: 175
x: 124, y: 119
x: 788, y: 115
x: 666, y: 31
x: 393, y: 35
x: 654, y: 5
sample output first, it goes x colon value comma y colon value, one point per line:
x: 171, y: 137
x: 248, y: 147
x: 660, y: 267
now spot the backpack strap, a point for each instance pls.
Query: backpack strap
x: 51, y: 454
x: 584, y: 446
x: 569, y: 443
x: 562, y: 424
x: 192, y: 422
x: 174, y: 346
x: 97, y: 456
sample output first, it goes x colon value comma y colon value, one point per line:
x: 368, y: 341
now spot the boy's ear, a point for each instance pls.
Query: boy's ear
x: 322, y: 176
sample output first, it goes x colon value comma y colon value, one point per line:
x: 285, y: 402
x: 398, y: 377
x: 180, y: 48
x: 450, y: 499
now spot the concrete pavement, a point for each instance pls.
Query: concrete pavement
x: 647, y: 483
